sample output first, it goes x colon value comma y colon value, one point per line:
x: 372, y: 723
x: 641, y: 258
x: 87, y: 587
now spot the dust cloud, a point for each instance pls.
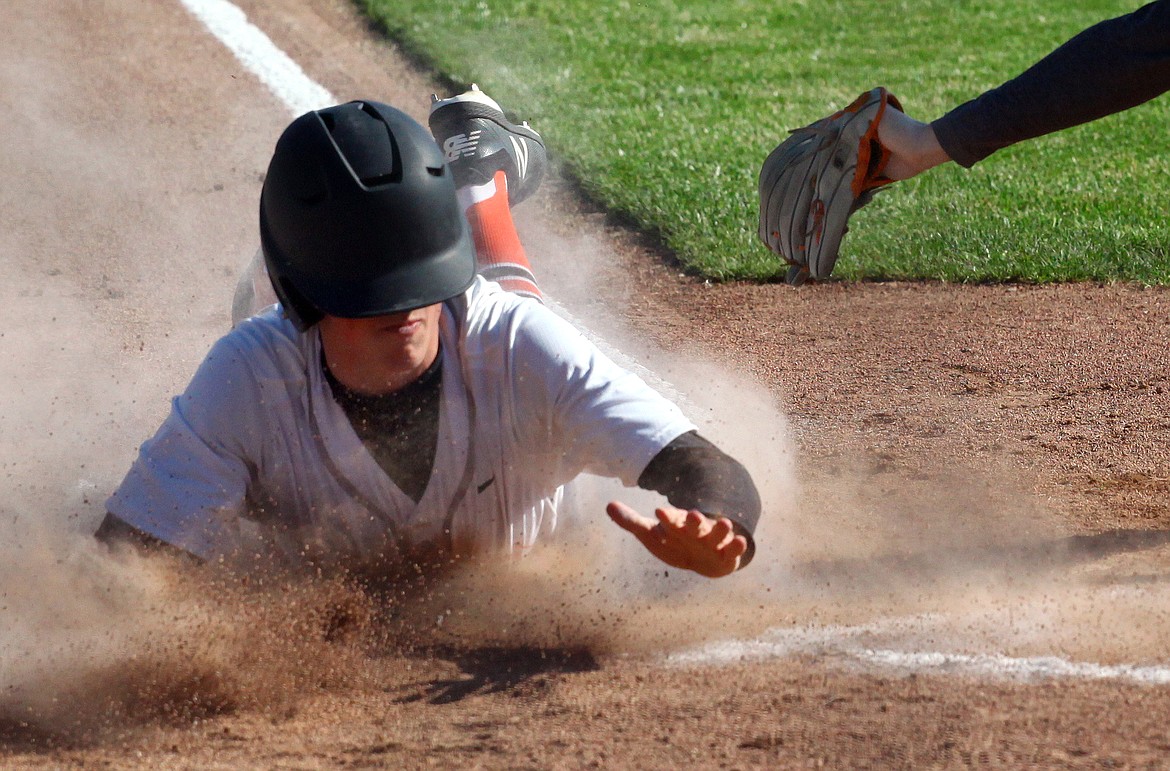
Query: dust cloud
x: 959, y: 558
x: 98, y: 642
x: 93, y: 642
x: 108, y: 297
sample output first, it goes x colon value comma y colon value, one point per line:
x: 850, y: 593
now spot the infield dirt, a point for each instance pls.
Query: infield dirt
x: 979, y: 470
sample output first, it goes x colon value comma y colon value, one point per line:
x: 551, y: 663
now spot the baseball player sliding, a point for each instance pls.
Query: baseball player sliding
x: 410, y: 400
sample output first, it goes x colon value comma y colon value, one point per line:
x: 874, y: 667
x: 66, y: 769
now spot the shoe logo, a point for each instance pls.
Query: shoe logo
x: 485, y: 485
x: 521, y: 157
x: 463, y: 145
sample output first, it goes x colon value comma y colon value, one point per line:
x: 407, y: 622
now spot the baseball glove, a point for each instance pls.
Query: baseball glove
x: 816, y: 179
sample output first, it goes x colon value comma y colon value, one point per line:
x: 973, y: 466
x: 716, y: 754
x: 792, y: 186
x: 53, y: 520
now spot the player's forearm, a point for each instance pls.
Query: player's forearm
x: 695, y: 474
x: 1111, y: 66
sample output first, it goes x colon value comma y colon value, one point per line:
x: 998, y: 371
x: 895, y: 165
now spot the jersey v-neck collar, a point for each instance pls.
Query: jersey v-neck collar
x: 401, y: 428
x: 358, y: 471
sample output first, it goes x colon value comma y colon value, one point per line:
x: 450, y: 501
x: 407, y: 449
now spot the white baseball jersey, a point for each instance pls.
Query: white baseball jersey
x: 257, y: 441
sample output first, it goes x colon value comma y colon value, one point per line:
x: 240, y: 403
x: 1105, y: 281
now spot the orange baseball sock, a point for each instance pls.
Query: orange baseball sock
x: 499, y: 254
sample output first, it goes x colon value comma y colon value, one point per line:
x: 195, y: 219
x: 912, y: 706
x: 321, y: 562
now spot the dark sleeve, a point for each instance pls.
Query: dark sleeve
x: 115, y: 532
x: 1109, y: 67
x: 694, y: 474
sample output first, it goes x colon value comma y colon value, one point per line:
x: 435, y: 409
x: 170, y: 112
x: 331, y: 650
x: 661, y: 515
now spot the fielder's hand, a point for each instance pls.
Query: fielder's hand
x: 811, y: 184
x: 684, y: 539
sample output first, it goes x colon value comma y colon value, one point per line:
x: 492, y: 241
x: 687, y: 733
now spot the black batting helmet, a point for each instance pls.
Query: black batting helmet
x: 358, y: 216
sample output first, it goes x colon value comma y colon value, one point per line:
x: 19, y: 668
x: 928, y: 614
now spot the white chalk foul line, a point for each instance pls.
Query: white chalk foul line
x: 844, y: 642
x: 1028, y: 668
x: 283, y: 77
x: 299, y: 93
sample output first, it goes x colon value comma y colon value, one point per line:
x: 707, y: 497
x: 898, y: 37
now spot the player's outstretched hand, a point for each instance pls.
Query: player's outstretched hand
x: 684, y: 539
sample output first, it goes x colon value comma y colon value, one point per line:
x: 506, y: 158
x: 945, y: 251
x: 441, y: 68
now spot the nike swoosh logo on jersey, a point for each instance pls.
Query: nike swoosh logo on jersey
x: 485, y: 485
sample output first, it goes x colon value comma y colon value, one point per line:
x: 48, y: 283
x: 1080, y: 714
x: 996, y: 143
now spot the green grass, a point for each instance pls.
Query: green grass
x: 664, y: 111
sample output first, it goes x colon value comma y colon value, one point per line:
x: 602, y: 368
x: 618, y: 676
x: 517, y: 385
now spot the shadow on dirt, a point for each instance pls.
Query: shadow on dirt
x: 1085, y: 548
x: 113, y: 707
x: 1029, y: 558
x: 515, y: 669
x: 18, y: 736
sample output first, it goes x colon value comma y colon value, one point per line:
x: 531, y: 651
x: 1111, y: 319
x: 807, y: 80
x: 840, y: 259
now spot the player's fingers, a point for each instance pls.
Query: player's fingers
x: 720, y: 533
x: 673, y: 520
x: 735, y: 548
x: 629, y: 519
x: 697, y: 525
x: 678, y: 521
